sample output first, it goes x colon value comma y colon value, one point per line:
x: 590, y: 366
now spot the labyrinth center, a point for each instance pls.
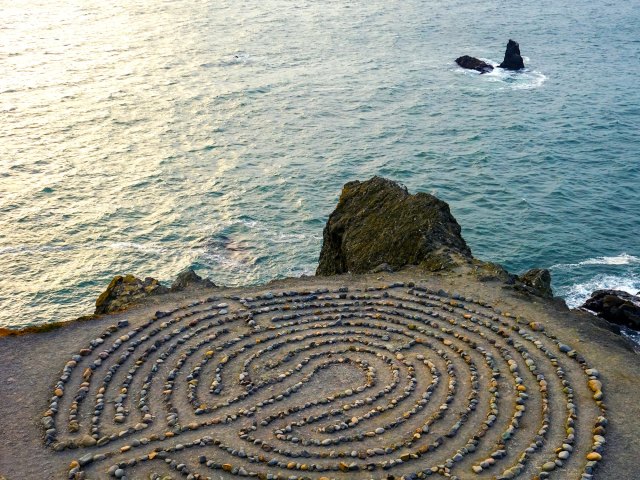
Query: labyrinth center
x: 391, y: 382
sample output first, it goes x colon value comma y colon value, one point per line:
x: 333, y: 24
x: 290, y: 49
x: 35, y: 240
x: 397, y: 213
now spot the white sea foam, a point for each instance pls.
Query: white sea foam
x: 521, y: 80
x: 622, y: 259
x: 13, y: 249
x: 632, y: 335
x: 33, y: 249
x: 575, y: 295
x: 531, y: 80
x: 526, y: 79
x: 147, y: 248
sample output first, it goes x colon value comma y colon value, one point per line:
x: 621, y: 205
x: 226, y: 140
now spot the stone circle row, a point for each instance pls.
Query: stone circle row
x: 316, y: 330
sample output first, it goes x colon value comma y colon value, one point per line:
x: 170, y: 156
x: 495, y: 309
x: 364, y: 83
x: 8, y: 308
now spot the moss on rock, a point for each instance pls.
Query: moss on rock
x: 125, y: 290
x: 378, y: 222
x: 537, y: 281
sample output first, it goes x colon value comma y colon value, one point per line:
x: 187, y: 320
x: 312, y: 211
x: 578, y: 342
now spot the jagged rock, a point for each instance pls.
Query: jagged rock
x: 489, y: 271
x: 512, y: 59
x: 472, y: 63
x: 537, y: 281
x: 188, y: 277
x: 615, y: 306
x: 377, y: 221
x: 125, y: 290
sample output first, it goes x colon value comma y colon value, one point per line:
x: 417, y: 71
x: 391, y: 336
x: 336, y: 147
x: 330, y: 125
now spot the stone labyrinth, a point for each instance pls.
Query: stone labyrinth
x: 395, y: 382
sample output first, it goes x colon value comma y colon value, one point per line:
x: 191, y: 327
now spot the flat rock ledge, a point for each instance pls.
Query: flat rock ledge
x: 404, y: 374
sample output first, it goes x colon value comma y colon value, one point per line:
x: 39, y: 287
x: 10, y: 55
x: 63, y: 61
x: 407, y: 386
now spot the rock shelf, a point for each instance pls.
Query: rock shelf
x: 394, y: 381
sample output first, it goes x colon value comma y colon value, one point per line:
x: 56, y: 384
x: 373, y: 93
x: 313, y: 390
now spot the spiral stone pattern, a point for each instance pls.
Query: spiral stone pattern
x: 390, y: 382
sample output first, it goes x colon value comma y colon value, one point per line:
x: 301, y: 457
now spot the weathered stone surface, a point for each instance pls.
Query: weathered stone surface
x: 615, y: 306
x: 377, y: 221
x: 537, y: 281
x: 126, y: 290
x: 187, y: 278
x: 472, y: 63
x: 512, y: 58
x: 489, y: 271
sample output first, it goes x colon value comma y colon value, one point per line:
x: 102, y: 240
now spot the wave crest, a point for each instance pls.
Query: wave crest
x: 622, y: 259
x: 576, y: 294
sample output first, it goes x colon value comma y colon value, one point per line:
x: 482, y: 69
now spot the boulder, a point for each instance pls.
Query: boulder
x: 125, y: 290
x: 472, y: 63
x: 188, y: 278
x: 615, y: 306
x: 492, y: 272
x: 512, y: 59
x: 378, y: 222
x: 537, y: 281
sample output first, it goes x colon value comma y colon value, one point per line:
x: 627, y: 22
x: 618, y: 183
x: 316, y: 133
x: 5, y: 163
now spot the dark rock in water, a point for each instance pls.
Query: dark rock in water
x: 512, y: 59
x: 187, y: 278
x: 615, y: 306
x: 378, y: 222
x: 537, y: 281
x: 472, y: 63
x: 125, y: 290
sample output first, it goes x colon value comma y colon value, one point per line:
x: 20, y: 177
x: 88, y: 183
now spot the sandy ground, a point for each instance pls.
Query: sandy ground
x: 30, y: 366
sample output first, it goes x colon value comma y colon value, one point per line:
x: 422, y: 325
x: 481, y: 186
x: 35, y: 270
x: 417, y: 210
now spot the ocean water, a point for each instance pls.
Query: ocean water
x: 151, y: 135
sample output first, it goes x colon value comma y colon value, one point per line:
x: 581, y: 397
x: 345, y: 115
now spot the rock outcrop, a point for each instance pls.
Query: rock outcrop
x: 512, y: 58
x: 472, y: 63
x: 537, y: 281
x: 378, y: 222
x: 615, y: 306
x: 188, y: 278
x: 125, y: 290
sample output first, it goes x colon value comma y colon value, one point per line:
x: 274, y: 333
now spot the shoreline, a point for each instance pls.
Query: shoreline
x: 630, y: 335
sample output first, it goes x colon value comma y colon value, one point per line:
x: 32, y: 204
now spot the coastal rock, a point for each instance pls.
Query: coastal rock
x: 378, y: 222
x: 615, y: 306
x: 537, y: 281
x: 472, y: 63
x: 125, y: 290
x: 187, y: 278
x: 512, y: 58
x: 489, y: 271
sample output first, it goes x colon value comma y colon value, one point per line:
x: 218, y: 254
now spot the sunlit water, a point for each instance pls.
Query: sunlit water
x: 148, y: 136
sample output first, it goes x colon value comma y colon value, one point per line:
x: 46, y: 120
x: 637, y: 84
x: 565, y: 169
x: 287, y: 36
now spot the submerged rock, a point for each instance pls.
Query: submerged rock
x: 537, y: 281
x: 125, y: 290
x: 378, y: 222
x: 472, y: 63
x: 615, y: 306
x: 512, y: 58
x: 187, y: 278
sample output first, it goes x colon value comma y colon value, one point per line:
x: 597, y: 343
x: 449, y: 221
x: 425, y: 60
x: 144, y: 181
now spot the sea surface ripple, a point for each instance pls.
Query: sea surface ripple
x: 149, y: 136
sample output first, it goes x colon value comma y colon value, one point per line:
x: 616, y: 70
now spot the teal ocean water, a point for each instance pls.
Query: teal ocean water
x: 148, y: 136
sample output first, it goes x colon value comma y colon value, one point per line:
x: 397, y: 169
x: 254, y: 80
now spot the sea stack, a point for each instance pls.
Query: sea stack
x: 512, y: 58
